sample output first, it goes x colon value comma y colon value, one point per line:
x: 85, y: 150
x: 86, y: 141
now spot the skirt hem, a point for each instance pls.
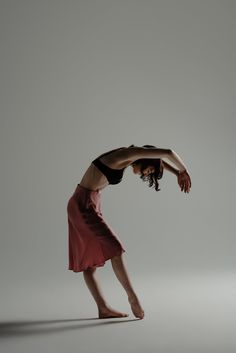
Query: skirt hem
x: 96, y: 264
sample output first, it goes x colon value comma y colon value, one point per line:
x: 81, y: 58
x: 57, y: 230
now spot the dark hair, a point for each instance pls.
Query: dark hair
x: 157, y: 163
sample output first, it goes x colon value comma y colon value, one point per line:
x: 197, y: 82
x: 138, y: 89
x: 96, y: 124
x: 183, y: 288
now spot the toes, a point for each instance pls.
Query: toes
x: 112, y: 315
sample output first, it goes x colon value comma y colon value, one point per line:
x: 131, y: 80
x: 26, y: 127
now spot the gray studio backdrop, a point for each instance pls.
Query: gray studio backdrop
x: 81, y: 77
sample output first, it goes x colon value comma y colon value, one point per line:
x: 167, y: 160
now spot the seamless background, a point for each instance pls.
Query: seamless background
x: 79, y: 78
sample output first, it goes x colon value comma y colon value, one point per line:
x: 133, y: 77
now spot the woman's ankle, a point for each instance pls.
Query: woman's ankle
x: 102, y: 306
x: 132, y: 298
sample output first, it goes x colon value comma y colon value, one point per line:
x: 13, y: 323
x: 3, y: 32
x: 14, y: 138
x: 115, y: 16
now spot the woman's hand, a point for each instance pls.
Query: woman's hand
x: 184, y: 181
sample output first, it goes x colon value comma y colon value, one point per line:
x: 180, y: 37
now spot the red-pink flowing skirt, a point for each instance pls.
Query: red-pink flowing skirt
x: 91, y: 240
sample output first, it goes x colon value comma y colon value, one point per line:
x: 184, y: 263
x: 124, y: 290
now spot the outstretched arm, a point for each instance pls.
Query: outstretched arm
x: 183, y: 177
x: 171, y: 169
x: 175, y: 158
x: 133, y: 153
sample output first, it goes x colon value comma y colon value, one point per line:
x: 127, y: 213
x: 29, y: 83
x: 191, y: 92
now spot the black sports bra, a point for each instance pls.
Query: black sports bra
x: 114, y: 176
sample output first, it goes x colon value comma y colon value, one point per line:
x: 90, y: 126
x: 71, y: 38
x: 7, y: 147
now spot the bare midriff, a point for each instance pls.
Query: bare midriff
x: 94, y: 179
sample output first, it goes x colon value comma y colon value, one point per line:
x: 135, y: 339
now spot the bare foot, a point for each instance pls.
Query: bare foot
x: 136, y: 308
x: 108, y: 312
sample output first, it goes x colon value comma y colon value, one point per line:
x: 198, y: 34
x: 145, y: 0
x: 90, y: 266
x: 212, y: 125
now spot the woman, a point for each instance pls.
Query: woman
x: 91, y: 241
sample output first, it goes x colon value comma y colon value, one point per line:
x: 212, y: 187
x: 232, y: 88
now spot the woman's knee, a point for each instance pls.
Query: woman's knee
x: 116, y: 258
x: 90, y: 269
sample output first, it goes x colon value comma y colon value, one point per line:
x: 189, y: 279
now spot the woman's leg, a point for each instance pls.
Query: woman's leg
x: 104, y: 310
x: 122, y: 275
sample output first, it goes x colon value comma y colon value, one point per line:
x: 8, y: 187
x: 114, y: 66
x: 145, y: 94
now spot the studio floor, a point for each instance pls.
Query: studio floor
x: 183, y: 314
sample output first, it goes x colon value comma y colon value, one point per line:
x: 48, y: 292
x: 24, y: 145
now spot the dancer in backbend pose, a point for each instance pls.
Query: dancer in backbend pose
x: 91, y: 240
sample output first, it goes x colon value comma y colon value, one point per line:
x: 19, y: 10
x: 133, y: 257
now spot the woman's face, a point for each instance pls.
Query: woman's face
x: 146, y: 171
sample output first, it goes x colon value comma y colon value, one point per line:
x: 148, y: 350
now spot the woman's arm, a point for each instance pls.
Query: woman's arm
x: 175, y: 158
x: 170, y: 168
x: 183, y: 177
x: 133, y: 153
x: 184, y: 180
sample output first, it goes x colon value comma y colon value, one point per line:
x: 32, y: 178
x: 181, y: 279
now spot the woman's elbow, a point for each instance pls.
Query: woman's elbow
x: 169, y: 152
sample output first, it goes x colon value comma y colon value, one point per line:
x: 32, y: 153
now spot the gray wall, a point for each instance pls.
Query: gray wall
x: 81, y: 77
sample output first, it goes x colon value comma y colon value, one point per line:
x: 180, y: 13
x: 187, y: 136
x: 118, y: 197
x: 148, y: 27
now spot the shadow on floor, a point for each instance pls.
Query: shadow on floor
x: 28, y: 327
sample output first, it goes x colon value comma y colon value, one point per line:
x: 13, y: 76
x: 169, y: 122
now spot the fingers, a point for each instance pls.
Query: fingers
x: 184, y: 182
x: 188, y: 185
x: 185, y: 185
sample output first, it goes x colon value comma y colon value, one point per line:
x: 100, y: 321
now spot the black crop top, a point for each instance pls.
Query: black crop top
x: 114, y: 176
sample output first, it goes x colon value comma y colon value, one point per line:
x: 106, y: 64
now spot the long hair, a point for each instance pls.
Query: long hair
x: 157, y: 163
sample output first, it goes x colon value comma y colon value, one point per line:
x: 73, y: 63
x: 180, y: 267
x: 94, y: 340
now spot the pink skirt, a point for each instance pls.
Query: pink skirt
x: 91, y: 241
